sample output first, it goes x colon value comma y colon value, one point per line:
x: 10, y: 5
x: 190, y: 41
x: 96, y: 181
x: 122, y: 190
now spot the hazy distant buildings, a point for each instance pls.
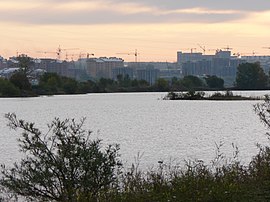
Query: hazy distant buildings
x: 221, y: 64
x: 3, y: 63
x: 168, y: 74
x: 188, y: 57
x: 123, y: 71
x: 264, y: 61
x: 8, y: 72
x: 103, y: 67
x: 148, y: 74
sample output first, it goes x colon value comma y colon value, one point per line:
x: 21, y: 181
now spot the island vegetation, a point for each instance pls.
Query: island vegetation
x: 200, y: 95
x: 249, y: 76
x: 65, y: 164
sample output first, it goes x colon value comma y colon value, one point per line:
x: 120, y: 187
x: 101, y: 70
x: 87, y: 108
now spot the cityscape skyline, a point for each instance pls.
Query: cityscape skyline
x: 156, y: 29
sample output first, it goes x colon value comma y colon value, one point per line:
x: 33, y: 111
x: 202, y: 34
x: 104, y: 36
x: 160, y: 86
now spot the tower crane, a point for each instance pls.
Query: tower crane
x: 45, y: 52
x: 253, y: 53
x: 192, y: 50
x: 135, y: 53
x: 80, y: 55
x: 18, y: 53
x: 59, y: 51
x: 203, y: 48
x: 227, y: 48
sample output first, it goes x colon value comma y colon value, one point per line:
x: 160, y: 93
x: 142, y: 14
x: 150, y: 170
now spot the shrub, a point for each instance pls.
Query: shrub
x: 62, y: 165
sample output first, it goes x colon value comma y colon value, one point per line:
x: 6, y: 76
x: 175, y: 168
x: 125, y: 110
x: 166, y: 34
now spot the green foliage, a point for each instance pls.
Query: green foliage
x: 8, y: 89
x: 20, y: 80
x: 199, y: 95
x: 176, y: 84
x: 70, y: 86
x: 50, y: 82
x: 214, y: 82
x: 161, y: 85
x: 106, y: 85
x: 190, y: 95
x: 87, y: 87
x: 61, y: 165
x: 251, y: 76
x: 192, y: 82
x: 25, y: 63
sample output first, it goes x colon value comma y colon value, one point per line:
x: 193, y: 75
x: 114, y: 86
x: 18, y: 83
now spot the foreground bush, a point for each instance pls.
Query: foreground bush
x: 62, y: 165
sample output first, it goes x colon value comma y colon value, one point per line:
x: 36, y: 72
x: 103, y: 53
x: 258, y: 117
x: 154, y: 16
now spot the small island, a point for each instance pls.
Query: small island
x: 200, y: 95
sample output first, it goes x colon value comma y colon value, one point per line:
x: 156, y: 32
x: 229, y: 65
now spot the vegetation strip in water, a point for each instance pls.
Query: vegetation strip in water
x: 193, y: 95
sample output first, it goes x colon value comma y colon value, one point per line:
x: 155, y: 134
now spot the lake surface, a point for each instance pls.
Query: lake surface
x: 144, y: 123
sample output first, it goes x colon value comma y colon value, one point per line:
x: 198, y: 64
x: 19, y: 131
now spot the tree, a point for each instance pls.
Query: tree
x: 70, y: 85
x: 8, y: 89
x: 161, y: 85
x: 61, y: 165
x: 50, y: 82
x: 20, y: 80
x: 251, y: 76
x: 192, y: 82
x: 123, y: 81
x: 25, y: 63
x: 214, y: 82
x: 106, y: 85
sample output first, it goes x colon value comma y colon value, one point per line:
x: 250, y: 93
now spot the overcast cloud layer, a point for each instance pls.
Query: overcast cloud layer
x: 126, y: 11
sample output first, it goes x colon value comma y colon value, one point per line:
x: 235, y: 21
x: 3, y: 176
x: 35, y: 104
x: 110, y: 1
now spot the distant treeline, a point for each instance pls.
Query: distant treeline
x: 53, y: 84
x: 249, y: 76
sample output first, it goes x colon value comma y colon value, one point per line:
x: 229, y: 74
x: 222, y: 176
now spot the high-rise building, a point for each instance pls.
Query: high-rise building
x: 102, y: 67
x: 123, y: 71
x: 149, y: 74
x: 221, y: 64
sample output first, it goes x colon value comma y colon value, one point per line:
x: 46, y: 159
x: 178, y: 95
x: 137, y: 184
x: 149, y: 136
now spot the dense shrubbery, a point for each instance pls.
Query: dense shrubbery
x: 7, y: 89
x: 65, y: 165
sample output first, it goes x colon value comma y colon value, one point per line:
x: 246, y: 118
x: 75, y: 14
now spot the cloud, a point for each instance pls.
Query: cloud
x: 123, y: 11
x: 244, y: 5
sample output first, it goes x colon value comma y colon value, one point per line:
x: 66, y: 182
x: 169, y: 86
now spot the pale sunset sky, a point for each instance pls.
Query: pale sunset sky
x: 156, y: 28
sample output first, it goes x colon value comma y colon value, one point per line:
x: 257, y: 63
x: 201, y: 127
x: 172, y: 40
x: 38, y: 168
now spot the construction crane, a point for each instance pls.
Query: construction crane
x: 45, y: 52
x: 80, y: 55
x: 59, y: 51
x: 203, y: 48
x: 18, y: 53
x: 227, y: 48
x: 135, y: 53
x: 246, y: 54
x: 238, y: 54
x: 192, y: 50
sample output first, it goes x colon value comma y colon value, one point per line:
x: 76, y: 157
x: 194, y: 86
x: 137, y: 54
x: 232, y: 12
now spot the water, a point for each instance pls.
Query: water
x: 144, y: 123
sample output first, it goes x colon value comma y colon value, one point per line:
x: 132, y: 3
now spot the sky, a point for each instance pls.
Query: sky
x: 157, y: 29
